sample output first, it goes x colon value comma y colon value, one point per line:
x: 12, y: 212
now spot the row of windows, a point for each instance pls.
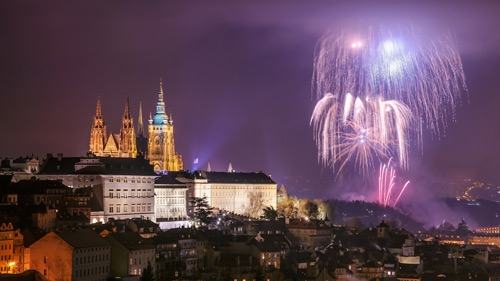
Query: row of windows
x: 4, y: 247
x: 4, y: 236
x: 91, y: 250
x: 140, y: 193
x: 118, y: 209
x: 5, y: 258
x: 133, y: 180
x: 94, y: 258
x: 91, y: 271
x: 85, y: 179
x: 171, y: 201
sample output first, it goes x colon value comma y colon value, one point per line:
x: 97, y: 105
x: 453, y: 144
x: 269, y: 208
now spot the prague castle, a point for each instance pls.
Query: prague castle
x: 158, y: 147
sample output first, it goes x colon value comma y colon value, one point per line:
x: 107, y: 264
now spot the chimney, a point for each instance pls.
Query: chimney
x: 59, y: 156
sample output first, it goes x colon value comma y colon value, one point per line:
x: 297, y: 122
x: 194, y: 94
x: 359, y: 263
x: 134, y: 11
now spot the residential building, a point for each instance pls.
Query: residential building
x: 309, y: 233
x: 130, y: 254
x: 11, y: 248
x: 75, y: 255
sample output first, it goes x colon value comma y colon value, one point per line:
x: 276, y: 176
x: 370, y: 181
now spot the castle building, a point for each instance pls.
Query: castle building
x: 158, y: 147
x: 240, y: 193
x: 123, y: 188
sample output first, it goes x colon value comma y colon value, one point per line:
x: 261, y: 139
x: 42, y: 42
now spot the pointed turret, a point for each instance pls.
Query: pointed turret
x: 127, y: 146
x: 140, y: 125
x: 209, y: 169
x: 98, y: 131
x: 230, y: 168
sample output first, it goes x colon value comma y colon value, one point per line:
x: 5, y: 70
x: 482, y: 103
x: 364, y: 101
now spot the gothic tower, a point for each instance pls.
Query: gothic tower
x: 98, y: 131
x: 140, y: 125
x: 161, y: 148
x: 127, y: 146
x: 141, y: 141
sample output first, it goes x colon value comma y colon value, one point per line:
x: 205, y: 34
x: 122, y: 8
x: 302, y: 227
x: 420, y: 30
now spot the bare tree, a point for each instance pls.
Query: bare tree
x: 256, y: 204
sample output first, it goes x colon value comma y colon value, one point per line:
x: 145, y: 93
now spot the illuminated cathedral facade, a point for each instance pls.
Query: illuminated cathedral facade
x: 158, y: 147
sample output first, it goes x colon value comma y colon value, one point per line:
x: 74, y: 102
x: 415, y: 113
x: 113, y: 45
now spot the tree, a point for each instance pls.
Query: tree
x: 270, y: 213
x: 202, y: 215
x: 311, y: 209
x: 147, y: 273
x: 256, y: 204
x: 325, y: 209
x: 287, y: 209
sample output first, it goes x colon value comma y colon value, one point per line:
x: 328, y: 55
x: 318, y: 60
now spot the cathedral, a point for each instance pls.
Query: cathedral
x: 158, y: 147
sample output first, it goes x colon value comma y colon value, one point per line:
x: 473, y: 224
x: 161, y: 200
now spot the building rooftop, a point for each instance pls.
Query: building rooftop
x: 170, y: 181
x: 82, y: 238
x: 225, y: 177
x: 100, y: 165
x: 131, y: 240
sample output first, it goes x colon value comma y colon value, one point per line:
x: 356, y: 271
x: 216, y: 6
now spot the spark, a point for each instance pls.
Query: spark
x: 387, y: 184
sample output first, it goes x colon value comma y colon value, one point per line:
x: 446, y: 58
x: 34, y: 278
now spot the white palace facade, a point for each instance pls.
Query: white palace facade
x: 123, y: 188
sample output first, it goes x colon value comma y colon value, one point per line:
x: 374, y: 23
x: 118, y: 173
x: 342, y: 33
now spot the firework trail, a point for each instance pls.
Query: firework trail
x: 362, y: 130
x: 419, y: 75
x: 387, y: 183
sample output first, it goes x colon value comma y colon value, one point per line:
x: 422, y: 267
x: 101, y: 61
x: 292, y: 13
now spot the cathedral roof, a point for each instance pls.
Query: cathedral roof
x: 109, y: 166
x: 225, y: 177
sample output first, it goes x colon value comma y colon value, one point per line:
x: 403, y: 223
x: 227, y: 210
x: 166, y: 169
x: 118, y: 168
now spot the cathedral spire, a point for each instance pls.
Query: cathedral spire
x: 160, y: 118
x: 127, y: 108
x: 230, y: 168
x: 209, y: 169
x: 140, y: 125
x: 160, y: 93
x: 98, y: 110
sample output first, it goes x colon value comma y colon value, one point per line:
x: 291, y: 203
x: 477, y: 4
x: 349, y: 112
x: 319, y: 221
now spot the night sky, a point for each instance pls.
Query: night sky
x: 237, y: 79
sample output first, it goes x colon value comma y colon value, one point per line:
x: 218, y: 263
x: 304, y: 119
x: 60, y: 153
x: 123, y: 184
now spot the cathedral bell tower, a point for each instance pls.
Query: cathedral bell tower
x: 161, y: 148
x: 127, y: 144
x: 98, y: 131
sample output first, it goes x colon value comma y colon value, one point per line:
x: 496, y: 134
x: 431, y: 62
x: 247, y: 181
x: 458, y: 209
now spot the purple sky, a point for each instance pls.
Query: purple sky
x: 237, y: 78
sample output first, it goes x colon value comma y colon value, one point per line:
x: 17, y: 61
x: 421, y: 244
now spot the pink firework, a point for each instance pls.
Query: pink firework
x: 387, y: 184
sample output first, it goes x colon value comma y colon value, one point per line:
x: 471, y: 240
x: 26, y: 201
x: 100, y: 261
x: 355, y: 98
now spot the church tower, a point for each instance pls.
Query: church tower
x: 127, y: 146
x: 98, y: 131
x: 161, y: 148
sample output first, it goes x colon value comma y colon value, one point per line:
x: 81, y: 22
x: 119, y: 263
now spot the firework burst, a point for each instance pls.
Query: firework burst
x: 421, y: 70
x: 363, y: 130
x: 400, y: 77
